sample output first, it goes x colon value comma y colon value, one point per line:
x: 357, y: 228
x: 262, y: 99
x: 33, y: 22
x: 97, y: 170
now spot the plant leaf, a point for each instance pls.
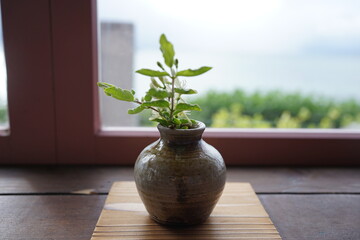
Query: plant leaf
x: 152, y: 73
x: 136, y: 110
x: 176, y: 63
x: 118, y: 93
x: 185, y: 91
x: 160, y: 94
x: 193, y: 72
x: 165, y: 114
x: 167, y: 50
x: 147, y: 97
x: 159, y: 120
x: 160, y: 65
x: 187, y: 107
x: 157, y: 103
x: 176, y: 121
x: 105, y: 85
x: 185, y: 122
x: 155, y: 83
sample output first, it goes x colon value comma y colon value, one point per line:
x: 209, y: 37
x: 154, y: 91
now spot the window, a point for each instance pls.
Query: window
x: 4, y: 122
x: 277, y: 64
x: 52, y: 67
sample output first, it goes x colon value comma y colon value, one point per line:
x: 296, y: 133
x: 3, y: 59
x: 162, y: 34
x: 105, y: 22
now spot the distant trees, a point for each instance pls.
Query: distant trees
x: 3, y: 114
x: 275, y: 109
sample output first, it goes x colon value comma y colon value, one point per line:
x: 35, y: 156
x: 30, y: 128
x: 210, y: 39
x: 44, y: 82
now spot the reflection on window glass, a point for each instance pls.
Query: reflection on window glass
x: 4, y: 122
x: 276, y: 64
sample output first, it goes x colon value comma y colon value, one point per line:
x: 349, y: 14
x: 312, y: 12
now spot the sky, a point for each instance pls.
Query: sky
x: 256, y: 27
x: 248, y: 27
x: 2, y: 69
x: 291, y: 45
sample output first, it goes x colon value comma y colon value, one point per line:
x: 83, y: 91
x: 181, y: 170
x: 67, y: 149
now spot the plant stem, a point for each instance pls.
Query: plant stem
x: 138, y: 102
x: 187, y: 118
x: 172, y: 97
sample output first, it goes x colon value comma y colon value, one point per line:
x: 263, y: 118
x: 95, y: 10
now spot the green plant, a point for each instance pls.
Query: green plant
x: 165, y: 96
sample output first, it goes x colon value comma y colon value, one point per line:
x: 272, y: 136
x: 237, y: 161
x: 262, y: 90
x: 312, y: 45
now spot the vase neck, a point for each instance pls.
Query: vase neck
x: 181, y: 136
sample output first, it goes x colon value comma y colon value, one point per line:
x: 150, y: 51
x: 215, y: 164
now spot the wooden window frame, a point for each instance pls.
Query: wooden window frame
x: 51, y: 56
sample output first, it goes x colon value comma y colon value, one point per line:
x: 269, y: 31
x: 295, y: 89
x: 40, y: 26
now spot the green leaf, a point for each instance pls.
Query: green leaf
x: 185, y: 91
x: 160, y: 65
x: 155, y: 83
x: 176, y: 63
x: 136, y: 110
x: 167, y: 50
x: 160, y: 94
x: 105, y: 85
x: 176, y: 121
x: 152, y: 73
x: 147, y: 98
x: 161, y: 121
x: 185, y: 121
x: 118, y: 93
x: 165, y: 114
x: 157, y: 103
x: 192, y: 73
x: 187, y: 107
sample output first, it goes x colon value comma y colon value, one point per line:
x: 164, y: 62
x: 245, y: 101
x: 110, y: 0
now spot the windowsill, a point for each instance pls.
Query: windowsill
x: 240, y: 133
x: 4, y: 131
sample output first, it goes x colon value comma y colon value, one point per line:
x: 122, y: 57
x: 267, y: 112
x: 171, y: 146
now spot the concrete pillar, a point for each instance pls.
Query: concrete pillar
x: 116, y: 52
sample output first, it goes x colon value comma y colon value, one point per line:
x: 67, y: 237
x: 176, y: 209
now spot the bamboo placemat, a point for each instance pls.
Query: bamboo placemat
x: 238, y: 215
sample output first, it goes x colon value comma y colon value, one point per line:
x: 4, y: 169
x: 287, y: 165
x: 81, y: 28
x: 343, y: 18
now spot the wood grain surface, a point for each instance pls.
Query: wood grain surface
x: 42, y: 203
x: 315, y: 217
x: 49, y: 217
x: 66, y: 179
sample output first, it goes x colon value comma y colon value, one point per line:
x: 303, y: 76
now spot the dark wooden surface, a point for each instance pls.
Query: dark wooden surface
x: 304, y: 203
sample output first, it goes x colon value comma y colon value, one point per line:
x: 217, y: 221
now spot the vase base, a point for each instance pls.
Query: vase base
x: 175, y: 221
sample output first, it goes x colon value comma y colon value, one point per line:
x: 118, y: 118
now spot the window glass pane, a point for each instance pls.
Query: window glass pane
x: 4, y: 120
x: 276, y: 64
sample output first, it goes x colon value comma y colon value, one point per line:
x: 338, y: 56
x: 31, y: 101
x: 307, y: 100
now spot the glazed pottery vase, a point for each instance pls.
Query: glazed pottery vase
x: 180, y: 177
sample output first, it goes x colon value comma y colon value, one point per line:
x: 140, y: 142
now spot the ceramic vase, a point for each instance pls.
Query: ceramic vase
x: 180, y: 177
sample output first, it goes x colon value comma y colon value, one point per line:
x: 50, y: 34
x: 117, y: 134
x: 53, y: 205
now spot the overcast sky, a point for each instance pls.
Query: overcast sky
x: 255, y: 27
x: 326, y: 27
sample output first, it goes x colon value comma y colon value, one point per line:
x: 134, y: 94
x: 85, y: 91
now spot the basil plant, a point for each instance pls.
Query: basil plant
x: 165, y: 96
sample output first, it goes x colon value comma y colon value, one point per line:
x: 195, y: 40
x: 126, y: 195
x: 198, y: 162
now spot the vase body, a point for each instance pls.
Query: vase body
x: 180, y: 177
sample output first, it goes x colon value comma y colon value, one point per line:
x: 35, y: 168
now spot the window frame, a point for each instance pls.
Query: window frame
x: 27, y: 48
x: 68, y: 130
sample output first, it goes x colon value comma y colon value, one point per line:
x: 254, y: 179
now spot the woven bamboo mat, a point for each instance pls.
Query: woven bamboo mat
x: 238, y: 215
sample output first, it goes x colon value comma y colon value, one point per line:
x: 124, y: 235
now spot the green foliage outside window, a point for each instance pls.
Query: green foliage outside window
x: 3, y: 114
x: 275, y: 109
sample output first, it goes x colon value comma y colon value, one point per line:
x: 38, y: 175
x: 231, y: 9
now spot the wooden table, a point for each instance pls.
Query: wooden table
x: 304, y: 203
